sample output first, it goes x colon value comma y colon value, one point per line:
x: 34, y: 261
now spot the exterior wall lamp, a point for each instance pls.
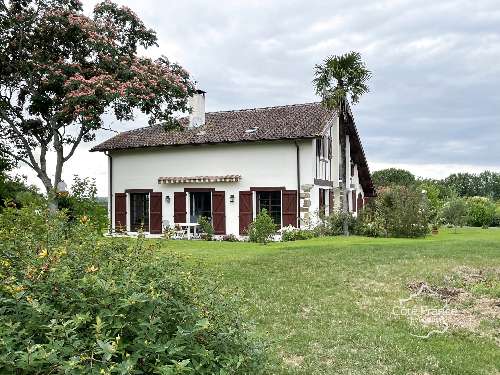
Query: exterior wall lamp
x: 167, y: 199
x: 231, y: 198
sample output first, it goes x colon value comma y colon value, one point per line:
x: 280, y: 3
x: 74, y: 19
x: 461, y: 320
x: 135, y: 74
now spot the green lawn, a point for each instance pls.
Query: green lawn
x: 326, y: 305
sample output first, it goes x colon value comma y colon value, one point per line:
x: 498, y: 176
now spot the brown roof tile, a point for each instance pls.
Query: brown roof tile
x: 271, y: 123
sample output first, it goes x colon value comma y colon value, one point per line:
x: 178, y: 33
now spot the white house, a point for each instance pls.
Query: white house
x: 229, y: 165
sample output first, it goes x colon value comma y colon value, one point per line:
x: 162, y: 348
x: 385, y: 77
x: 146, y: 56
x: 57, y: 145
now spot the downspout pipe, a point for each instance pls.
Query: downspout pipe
x: 110, y: 193
x: 298, y: 183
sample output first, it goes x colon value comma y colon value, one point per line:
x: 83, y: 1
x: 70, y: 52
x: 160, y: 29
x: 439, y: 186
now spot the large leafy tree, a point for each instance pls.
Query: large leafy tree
x: 393, y: 176
x: 340, y: 80
x: 60, y: 71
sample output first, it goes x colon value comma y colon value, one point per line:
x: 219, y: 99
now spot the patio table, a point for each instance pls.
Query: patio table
x: 187, y: 227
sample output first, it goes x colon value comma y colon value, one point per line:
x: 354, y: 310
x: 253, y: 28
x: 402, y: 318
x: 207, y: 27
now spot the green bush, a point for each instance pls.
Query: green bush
x: 72, y: 302
x: 333, y: 225
x: 262, y: 228
x: 496, y: 220
x: 454, y: 212
x: 206, y: 227
x: 480, y: 212
x: 397, y: 211
x: 393, y: 177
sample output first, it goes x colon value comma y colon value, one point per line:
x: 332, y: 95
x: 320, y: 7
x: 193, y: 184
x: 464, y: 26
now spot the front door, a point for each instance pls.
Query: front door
x: 139, y: 212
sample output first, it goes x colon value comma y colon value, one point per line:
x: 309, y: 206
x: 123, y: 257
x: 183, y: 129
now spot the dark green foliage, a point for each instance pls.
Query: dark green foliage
x: 397, y: 211
x: 12, y: 188
x: 262, y: 228
x: 454, y: 212
x: 484, y: 184
x: 206, y: 227
x: 393, y: 177
x: 72, y: 302
x: 480, y: 212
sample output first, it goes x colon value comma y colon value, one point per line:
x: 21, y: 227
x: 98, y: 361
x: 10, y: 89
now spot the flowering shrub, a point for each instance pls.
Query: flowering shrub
x: 290, y: 233
x: 72, y: 302
x: 230, y: 238
x: 480, y: 212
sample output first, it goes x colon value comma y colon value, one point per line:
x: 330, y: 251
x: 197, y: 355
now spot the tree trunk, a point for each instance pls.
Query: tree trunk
x: 343, y: 171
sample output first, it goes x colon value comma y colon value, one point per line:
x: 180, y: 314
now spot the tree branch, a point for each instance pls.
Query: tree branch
x: 75, y: 144
x: 24, y: 141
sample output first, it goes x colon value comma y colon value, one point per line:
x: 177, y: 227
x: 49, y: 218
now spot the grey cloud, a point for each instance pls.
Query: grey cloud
x: 434, y: 98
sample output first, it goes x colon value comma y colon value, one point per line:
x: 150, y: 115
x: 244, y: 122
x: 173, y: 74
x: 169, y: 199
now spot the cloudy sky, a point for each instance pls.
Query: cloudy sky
x: 434, y: 105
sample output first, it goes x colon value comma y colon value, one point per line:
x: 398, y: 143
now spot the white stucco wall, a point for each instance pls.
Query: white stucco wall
x: 270, y: 164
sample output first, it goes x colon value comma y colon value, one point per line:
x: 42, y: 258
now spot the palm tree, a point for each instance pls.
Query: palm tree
x: 341, y: 80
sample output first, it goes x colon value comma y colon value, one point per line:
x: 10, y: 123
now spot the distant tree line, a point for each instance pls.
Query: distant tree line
x: 457, y: 200
x: 484, y: 184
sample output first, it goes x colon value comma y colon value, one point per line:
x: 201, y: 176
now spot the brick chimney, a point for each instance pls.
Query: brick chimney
x: 197, y: 104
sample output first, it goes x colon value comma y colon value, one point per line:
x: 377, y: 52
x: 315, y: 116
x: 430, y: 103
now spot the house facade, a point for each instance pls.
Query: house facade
x: 229, y: 165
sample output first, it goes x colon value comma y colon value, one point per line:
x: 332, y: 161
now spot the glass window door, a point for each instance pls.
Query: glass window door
x: 139, y: 211
x: 271, y: 201
x: 200, y: 204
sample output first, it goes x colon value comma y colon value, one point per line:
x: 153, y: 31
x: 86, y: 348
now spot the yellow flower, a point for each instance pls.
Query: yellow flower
x: 19, y: 288
x: 43, y: 253
x: 91, y: 268
x: 84, y: 219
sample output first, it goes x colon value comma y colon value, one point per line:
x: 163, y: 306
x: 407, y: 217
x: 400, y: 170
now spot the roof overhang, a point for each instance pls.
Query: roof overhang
x: 198, y: 179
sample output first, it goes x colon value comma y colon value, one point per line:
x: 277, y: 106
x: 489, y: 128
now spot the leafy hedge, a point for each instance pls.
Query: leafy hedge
x: 72, y: 302
x: 397, y: 211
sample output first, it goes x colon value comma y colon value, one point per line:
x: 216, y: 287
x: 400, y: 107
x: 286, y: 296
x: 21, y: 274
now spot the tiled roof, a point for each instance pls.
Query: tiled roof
x: 270, y: 123
x: 199, y: 179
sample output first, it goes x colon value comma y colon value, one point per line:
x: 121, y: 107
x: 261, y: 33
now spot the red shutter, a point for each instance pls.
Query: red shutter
x: 246, y: 211
x: 331, y: 200
x: 155, y: 204
x: 360, y: 202
x: 120, y: 212
x: 179, y: 207
x: 219, y: 212
x: 289, y: 208
x: 354, y: 201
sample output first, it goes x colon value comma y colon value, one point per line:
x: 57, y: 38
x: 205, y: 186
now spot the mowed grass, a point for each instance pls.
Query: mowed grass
x: 327, y: 305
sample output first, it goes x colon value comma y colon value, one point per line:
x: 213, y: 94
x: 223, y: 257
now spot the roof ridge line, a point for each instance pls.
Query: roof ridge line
x: 263, y: 108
